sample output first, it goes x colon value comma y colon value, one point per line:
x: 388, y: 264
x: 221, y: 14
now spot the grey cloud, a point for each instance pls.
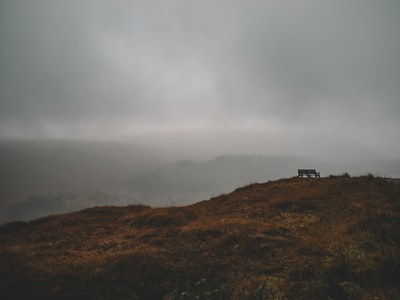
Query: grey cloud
x: 321, y: 54
x: 111, y: 64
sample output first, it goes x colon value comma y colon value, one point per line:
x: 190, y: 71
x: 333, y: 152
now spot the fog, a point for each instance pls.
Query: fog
x: 109, y: 70
x: 201, y: 79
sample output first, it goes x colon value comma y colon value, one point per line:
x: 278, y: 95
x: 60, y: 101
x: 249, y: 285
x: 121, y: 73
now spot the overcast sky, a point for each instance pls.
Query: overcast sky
x: 105, y: 69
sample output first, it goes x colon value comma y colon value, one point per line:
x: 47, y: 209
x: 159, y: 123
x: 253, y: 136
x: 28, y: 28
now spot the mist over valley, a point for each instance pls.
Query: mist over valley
x: 42, y: 177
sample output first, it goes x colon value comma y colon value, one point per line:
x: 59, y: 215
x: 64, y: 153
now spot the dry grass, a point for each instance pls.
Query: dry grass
x: 329, y: 238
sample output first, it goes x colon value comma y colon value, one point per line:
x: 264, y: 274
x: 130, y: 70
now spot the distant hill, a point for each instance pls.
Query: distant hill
x: 186, y: 181
x: 49, y: 177
x: 328, y: 238
x: 178, y: 183
x: 37, y: 167
x: 206, y: 144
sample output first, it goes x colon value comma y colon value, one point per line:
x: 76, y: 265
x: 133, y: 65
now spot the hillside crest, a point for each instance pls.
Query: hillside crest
x: 304, y: 238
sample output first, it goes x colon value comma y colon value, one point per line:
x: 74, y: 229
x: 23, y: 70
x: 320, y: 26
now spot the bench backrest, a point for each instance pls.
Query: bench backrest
x: 308, y: 172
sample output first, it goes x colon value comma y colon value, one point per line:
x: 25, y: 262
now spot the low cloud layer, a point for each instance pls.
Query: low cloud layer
x: 93, y: 69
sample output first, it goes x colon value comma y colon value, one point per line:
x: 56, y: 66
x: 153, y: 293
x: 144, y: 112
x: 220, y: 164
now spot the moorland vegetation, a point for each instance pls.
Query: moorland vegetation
x: 328, y: 238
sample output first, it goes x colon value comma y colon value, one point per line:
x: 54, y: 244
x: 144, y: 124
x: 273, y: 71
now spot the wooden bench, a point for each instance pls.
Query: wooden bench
x: 308, y: 173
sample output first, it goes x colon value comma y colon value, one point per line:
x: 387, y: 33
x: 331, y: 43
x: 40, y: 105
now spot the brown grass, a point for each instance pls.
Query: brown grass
x: 329, y: 238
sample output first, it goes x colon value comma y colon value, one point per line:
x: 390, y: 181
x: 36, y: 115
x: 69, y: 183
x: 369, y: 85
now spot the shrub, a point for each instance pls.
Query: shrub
x: 343, y: 175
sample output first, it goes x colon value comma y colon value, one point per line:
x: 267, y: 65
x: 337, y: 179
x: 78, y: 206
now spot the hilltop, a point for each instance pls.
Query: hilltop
x: 328, y: 238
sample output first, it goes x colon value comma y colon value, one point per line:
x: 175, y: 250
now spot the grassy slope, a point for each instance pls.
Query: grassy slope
x: 288, y: 239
